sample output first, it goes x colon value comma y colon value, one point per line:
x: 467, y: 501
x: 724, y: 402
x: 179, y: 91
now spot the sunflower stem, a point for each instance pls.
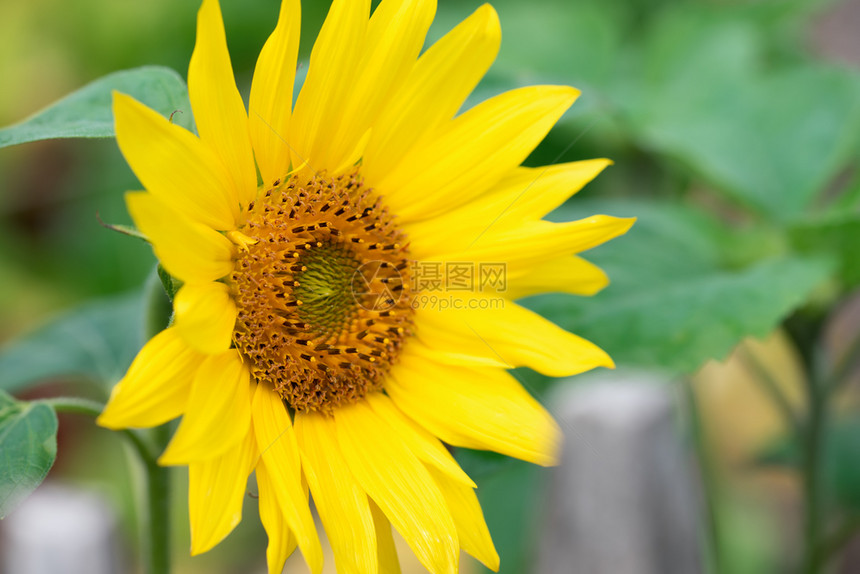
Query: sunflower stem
x: 157, y: 529
x: 158, y: 495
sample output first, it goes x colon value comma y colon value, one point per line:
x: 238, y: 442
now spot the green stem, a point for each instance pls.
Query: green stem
x: 74, y: 405
x: 91, y: 408
x: 709, y: 479
x: 158, y: 315
x: 811, y: 443
x: 158, y: 481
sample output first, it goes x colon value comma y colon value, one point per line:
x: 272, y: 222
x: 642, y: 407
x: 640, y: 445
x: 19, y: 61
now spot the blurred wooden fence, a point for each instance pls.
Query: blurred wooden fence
x: 624, y: 500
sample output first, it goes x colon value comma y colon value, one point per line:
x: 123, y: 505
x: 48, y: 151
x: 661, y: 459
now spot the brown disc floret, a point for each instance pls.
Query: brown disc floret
x: 322, y: 292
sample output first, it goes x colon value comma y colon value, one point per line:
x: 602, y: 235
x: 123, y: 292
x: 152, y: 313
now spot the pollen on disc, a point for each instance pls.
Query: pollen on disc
x: 323, y: 292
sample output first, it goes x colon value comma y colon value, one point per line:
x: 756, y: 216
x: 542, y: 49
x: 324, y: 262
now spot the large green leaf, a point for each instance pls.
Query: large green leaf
x: 87, y: 113
x: 96, y: 342
x: 580, y: 43
x: 771, y: 140
x: 674, y: 302
x: 28, y: 447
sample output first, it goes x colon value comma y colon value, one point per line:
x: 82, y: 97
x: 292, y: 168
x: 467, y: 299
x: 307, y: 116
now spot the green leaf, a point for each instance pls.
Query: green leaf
x: 769, y: 140
x: 673, y: 302
x: 96, y: 342
x: 580, y: 42
x: 837, y: 234
x: 28, y: 447
x: 87, y: 112
x: 580, y: 46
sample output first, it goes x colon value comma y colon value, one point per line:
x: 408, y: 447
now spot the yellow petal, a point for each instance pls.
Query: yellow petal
x: 331, y: 73
x: 395, y: 36
x: 533, y: 192
x: 280, y: 454
x: 475, y: 408
x: 342, y: 504
x: 422, y: 444
x: 205, y: 316
x: 512, y: 334
x: 216, y: 491
x: 272, y: 94
x: 433, y: 91
x: 469, y: 518
x: 464, y: 158
x: 218, y: 414
x: 189, y: 251
x: 282, y: 543
x: 397, y: 481
x: 455, y: 357
x: 569, y: 274
x: 174, y: 165
x: 387, y: 552
x: 538, y: 241
x: 156, y: 387
x: 218, y: 108
x: 525, y: 194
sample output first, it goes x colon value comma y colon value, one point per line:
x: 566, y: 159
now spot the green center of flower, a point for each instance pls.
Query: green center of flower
x: 323, y: 294
x: 325, y: 286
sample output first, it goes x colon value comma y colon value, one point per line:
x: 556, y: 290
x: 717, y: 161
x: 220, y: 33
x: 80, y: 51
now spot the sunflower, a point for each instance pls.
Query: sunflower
x: 351, y: 310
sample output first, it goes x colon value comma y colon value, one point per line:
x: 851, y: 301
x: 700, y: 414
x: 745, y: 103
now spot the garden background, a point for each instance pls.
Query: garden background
x: 735, y: 131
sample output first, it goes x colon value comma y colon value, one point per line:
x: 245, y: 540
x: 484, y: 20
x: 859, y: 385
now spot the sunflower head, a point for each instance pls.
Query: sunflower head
x: 305, y: 347
x: 322, y: 291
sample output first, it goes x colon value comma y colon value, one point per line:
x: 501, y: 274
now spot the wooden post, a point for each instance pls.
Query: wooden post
x: 623, y: 500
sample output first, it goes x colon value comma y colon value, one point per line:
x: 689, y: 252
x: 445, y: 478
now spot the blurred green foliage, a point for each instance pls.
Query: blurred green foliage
x: 734, y: 145
x: 95, y: 342
x: 28, y: 445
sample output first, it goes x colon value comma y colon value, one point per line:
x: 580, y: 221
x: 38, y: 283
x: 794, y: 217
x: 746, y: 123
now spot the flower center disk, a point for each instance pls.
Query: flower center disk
x: 323, y: 295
